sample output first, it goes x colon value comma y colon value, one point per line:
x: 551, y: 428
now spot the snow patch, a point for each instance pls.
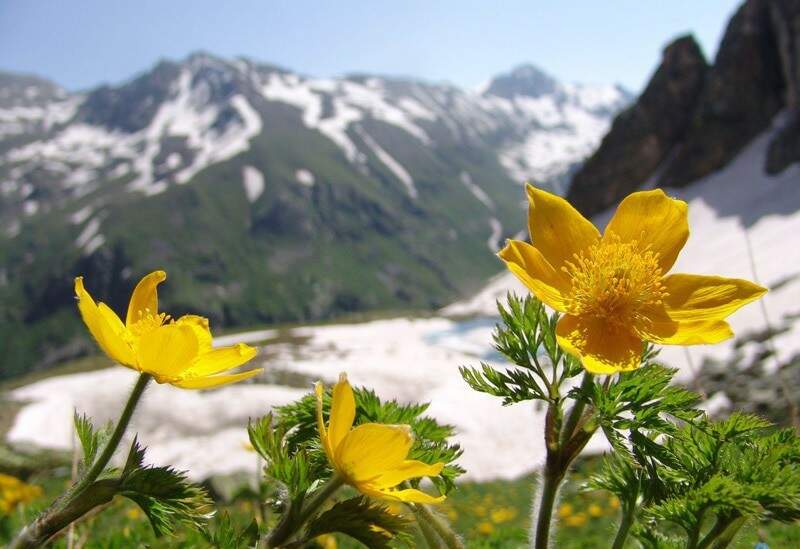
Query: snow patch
x: 394, y: 166
x: 497, y: 231
x: 476, y: 191
x: 305, y: 177
x: 253, y: 181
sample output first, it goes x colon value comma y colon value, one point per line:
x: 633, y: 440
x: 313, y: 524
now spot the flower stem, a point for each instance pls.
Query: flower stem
x: 290, y: 522
x: 425, y: 517
x: 577, y: 410
x: 551, y: 480
x: 86, y: 494
x: 624, y: 527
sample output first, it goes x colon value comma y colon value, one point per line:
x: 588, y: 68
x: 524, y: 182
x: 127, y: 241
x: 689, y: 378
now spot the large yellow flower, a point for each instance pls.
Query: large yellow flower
x: 372, y: 456
x: 614, y: 289
x: 176, y: 352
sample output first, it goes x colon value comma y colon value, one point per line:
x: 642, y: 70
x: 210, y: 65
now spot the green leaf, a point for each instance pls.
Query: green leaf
x: 91, y: 440
x: 370, y: 523
x: 226, y: 535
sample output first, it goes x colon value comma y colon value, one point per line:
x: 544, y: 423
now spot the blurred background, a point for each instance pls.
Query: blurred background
x: 330, y: 182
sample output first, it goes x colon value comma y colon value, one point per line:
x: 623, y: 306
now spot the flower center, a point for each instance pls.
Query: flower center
x: 615, y: 281
x: 148, y: 322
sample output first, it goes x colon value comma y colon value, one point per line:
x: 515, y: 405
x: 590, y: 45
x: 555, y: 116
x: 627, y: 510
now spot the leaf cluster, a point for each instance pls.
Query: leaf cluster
x: 527, y: 338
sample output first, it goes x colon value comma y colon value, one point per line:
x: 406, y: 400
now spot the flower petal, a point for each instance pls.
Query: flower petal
x: 221, y: 360
x: 532, y: 269
x: 200, y: 326
x: 319, y: 392
x: 409, y: 495
x: 167, y: 351
x: 372, y: 449
x: 343, y: 411
x: 659, y: 223
x: 557, y: 229
x: 601, y: 349
x: 660, y: 328
x: 215, y: 381
x: 144, y: 300
x: 408, y: 469
x: 104, y: 326
x: 700, y: 297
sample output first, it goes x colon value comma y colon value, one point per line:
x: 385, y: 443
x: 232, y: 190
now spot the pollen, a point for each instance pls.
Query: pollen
x: 615, y: 281
x: 148, y: 322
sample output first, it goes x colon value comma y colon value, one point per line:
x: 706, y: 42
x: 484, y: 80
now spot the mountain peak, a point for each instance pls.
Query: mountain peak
x: 527, y: 80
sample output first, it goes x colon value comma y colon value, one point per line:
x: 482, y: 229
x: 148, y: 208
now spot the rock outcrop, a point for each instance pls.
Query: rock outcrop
x: 642, y: 135
x: 693, y: 119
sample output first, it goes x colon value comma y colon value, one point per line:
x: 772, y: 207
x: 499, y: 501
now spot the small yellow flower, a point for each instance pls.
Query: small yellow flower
x: 613, y: 502
x: 370, y: 457
x: 176, y: 352
x: 595, y: 510
x: 133, y: 513
x: 614, y: 289
x: 503, y: 514
x: 485, y: 528
x: 565, y: 510
x: 578, y: 519
x: 14, y: 492
x: 326, y: 541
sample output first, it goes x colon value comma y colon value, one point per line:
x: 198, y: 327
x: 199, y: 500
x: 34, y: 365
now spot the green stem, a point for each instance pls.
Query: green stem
x: 624, y: 527
x: 551, y: 480
x: 427, y: 517
x: 574, y: 415
x: 432, y: 539
x: 722, y: 533
x: 86, y: 494
x: 291, y: 523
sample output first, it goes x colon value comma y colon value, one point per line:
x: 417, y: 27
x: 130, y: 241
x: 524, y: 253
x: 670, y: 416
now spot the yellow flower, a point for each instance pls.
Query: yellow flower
x: 578, y: 519
x: 613, y: 502
x: 485, y: 528
x: 503, y: 514
x: 326, y: 541
x: 175, y: 352
x: 565, y: 510
x: 15, y: 492
x: 370, y: 457
x: 595, y: 510
x: 614, y: 289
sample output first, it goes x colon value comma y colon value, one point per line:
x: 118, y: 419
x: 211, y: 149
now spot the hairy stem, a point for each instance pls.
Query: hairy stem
x: 427, y: 517
x: 576, y: 412
x: 86, y: 494
x: 624, y: 527
x: 291, y: 522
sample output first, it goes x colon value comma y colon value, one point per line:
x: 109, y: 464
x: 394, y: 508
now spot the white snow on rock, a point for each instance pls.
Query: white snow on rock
x: 253, y: 181
x: 394, y: 166
x: 476, y: 191
x: 305, y: 177
x: 497, y: 231
x: 90, y: 238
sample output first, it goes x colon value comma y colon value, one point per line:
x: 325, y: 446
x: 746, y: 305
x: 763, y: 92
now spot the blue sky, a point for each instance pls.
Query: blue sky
x: 81, y: 44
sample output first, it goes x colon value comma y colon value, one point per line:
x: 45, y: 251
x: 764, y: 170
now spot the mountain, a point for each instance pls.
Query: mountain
x: 267, y: 195
x: 694, y: 118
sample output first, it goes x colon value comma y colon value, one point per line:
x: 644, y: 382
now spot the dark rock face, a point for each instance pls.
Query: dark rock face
x: 785, y: 146
x: 743, y: 93
x: 692, y: 119
x: 642, y: 136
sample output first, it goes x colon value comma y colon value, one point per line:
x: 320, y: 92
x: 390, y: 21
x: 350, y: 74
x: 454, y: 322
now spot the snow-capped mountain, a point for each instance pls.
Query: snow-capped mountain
x: 266, y: 190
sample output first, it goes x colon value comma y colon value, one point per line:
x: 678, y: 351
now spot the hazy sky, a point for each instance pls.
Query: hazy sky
x: 82, y: 43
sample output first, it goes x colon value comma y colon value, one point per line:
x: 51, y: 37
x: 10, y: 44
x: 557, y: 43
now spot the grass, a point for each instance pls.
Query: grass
x: 492, y: 514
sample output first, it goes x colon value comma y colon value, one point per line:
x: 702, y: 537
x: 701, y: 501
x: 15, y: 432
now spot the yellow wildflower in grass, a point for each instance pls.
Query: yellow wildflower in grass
x: 485, y: 528
x: 370, y: 457
x: 614, y: 289
x: 613, y: 502
x: 326, y: 541
x: 595, y: 510
x: 177, y: 352
x: 14, y: 492
x: 565, y: 510
x: 503, y: 514
x: 578, y: 519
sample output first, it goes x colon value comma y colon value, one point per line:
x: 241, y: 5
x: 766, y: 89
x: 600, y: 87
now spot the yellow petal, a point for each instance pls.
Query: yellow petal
x: 532, y: 269
x: 220, y: 360
x: 657, y: 222
x: 699, y: 297
x: 408, y: 469
x: 200, y: 326
x: 104, y: 328
x: 600, y: 348
x: 167, y: 351
x: 215, y: 381
x: 144, y: 300
x: 557, y: 229
x: 343, y: 412
x: 319, y: 392
x: 371, y: 449
x: 658, y: 327
x: 409, y: 495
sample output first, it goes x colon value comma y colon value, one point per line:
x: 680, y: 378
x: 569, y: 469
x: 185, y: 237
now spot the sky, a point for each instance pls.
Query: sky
x: 80, y: 44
